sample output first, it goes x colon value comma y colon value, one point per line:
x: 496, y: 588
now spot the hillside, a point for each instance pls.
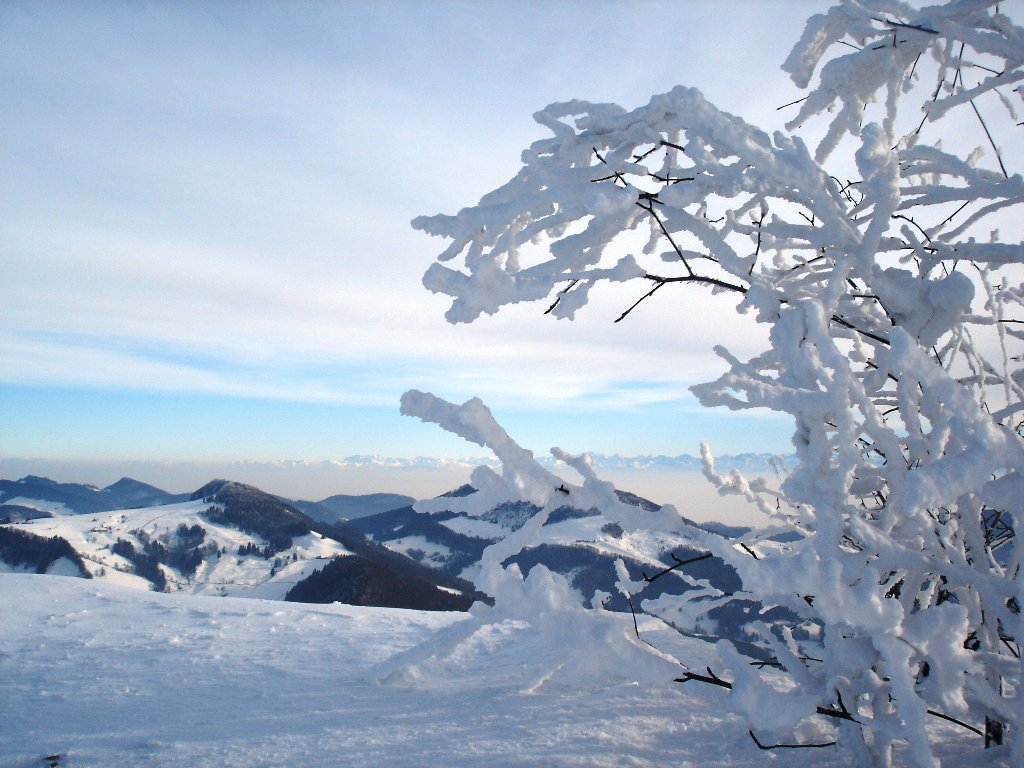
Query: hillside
x: 583, y: 546
x: 228, y: 539
x: 347, y: 507
x: 137, y: 548
x: 50, y: 497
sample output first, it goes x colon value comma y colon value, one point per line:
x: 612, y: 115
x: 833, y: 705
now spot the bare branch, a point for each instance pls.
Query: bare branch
x: 991, y: 141
x: 679, y: 564
x: 789, y: 746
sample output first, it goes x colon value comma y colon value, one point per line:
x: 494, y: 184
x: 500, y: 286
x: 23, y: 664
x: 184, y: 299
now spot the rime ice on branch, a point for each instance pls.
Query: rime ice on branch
x: 897, y: 320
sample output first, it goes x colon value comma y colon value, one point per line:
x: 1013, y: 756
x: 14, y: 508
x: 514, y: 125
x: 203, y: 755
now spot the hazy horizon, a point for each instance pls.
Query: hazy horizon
x: 687, y: 489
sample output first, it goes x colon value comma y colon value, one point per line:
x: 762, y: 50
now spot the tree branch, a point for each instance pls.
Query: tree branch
x: 789, y: 746
x: 679, y: 564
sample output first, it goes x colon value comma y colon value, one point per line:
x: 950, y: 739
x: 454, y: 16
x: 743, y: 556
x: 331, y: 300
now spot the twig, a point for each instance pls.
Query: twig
x: 702, y: 279
x: 904, y: 25
x: 691, y: 278
x: 716, y: 283
x: 757, y: 250
x: 919, y: 227
x: 837, y: 713
x: 868, y: 334
x: 773, y: 663
x: 561, y: 293
x: 803, y: 264
x: 711, y: 679
x: 615, y: 175
x: 668, y: 236
x: 961, y: 723
x: 914, y: 67
x: 749, y: 551
x: 990, y: 139
x: 642, y: 298
x: 679, y: 564
x: 790, y: 104
x: 954, y: 213
x: 651, y: 151
x: 789, y: 746
x: 670, y: 180
x: 636, y: 627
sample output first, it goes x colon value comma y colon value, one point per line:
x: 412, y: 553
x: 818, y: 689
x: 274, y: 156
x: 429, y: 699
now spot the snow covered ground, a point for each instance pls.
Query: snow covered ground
x: 105, y: 675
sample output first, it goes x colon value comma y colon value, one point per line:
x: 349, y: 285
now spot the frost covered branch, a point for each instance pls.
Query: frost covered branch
x: 893, y: 305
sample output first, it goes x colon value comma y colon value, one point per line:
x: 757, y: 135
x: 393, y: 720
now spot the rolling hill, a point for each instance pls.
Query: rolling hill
x: 226, y: 539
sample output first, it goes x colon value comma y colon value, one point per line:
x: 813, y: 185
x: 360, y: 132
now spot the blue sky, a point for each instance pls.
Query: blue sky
x: 206, y: 252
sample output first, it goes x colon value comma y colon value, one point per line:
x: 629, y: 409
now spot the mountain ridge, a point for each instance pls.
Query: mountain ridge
x: 46, y: 496
x: 226, y: 538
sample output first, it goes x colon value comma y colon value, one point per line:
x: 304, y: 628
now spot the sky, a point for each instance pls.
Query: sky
x: 205, y: 249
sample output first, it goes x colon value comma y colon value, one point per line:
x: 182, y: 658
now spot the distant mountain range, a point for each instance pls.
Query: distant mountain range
x: 341, y: 507
x: 683, y: 462
x: 758, y: 462
x: 45, y: 496
x: 228, y: 538
x: 745, y: 462
x: 34, y: 497
x: 750, y: 462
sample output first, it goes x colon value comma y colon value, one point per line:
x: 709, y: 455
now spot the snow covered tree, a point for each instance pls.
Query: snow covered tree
x: 896, y: 312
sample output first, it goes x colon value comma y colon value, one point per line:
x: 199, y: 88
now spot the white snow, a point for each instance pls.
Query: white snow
x: 8, y: 568
x: 103, y: 676
x: 53, y: 507
x: 63, y: 567
x: 480, y: 529
x: 433, y: 552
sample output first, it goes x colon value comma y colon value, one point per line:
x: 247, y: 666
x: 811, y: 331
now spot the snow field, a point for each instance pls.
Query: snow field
x: 105, y: 675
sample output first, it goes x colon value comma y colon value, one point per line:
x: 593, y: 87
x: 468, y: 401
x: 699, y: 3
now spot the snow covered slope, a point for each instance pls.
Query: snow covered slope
x: 230, y: 539
x: 98, y: 675
x: 579, y: 544
x: 221, y: 571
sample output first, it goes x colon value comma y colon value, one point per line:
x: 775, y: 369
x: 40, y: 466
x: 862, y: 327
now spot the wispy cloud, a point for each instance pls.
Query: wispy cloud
x: 216, y: 198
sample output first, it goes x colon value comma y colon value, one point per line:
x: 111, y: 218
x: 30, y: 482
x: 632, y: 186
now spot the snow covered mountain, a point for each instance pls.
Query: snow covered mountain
x: 453, y: 542
x: 231, y: 539
x: 580, y: 544
x: 226, y: 539
x: 33, y: 496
